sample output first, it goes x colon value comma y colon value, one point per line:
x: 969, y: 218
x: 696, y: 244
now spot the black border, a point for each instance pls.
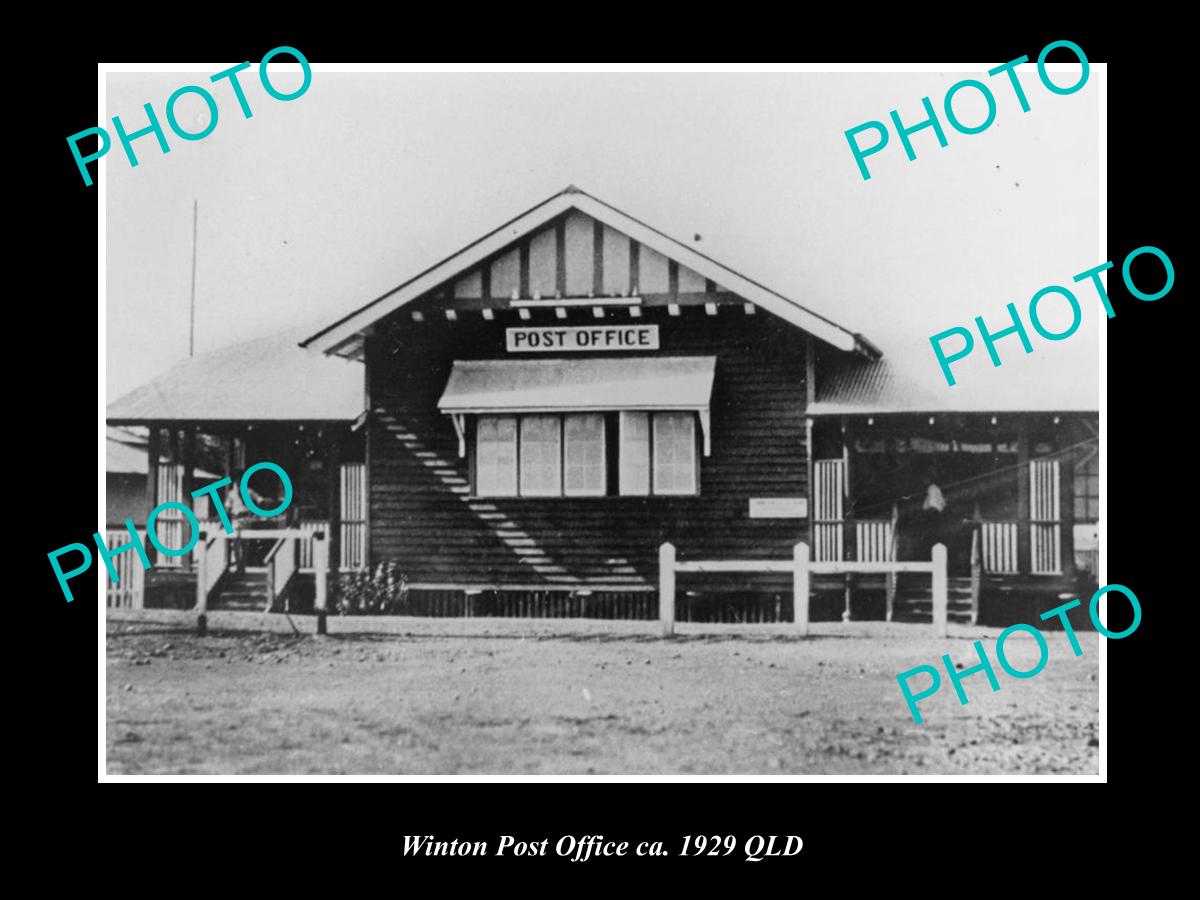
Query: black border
x: 1148, y: 346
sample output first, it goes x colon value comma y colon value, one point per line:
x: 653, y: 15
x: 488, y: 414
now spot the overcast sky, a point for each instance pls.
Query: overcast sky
x: 315, y: 206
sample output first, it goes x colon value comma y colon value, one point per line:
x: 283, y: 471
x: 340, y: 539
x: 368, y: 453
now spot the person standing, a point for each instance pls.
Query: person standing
x: 239, y: 517
x: 932, y: 508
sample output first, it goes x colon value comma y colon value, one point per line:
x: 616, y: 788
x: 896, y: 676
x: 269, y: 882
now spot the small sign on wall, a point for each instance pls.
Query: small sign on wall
x: 601, y: 337
x: 778, y: 507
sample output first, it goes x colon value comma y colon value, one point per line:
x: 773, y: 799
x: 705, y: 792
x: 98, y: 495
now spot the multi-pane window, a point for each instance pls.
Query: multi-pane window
x: 584, y: 456
x: 556, y: 455
x: 658, y: 453
x: 496, y: 456
x: 674, y: 453
x: 635, y: 453
x: 541, y: 456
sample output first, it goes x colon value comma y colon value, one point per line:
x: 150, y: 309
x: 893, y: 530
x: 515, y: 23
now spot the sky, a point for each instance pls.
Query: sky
x: 313, y: 207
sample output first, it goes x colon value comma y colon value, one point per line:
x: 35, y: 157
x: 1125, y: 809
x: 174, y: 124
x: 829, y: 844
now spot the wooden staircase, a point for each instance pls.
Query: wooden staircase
x: 245, y: 591
x: 914, y: 599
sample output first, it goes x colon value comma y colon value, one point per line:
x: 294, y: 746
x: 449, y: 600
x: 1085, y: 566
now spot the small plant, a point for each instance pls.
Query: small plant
x: 366, y: 592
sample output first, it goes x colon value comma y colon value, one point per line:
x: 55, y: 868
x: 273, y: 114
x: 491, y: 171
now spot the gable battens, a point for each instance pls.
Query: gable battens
x: 485, y: 281
x: 597, y: 258
x: 635, y: 265
x: 546, y: 215
x: 560, y: 257
x: 585, y: 256
x: 524, y: 265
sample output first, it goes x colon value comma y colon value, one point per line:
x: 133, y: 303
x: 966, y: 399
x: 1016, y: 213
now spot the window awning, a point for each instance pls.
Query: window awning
x: 579, y: 385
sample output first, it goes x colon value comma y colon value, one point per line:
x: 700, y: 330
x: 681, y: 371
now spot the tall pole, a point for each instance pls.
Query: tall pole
x: 192, y: 320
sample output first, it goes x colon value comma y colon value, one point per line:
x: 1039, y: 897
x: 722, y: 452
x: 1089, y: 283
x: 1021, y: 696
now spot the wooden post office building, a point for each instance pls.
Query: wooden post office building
x: 541, y: 410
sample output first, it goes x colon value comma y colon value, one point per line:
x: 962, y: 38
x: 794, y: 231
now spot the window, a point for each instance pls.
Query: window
x: 496, y: 456
x: 1087, y: 489
x: 541, y: 456
x: 674, y: 453
x: 635, y: 453
x: 667, y: 437
x: 584, y: 453
x: 557, y: 455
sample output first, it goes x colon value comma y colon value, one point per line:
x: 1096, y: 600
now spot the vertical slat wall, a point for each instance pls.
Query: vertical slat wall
x: 829, y: 477
x: 1000, y: 547
x: 874, y: 540
x: 643, y: 605
x: 128, y: 592
x: 1045, y: 528
x: 354, y: 516
x: 170, y: 526
x: 306, y: 544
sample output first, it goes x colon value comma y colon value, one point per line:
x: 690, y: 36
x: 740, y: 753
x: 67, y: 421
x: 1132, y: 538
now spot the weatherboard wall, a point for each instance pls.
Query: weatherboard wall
x: 423, y: 517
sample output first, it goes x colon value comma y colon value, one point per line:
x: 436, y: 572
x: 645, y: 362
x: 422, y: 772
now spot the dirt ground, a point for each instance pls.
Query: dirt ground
x: 564, y: 696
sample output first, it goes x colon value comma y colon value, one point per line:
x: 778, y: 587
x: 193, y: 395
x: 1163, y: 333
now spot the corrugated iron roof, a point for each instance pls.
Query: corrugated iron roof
x: 124, y: 459
x: 852, y: 385
x: 125, y: 454
x: 270, y: 379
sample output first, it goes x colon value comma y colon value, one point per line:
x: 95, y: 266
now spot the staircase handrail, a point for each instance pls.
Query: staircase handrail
x: 280, y: 569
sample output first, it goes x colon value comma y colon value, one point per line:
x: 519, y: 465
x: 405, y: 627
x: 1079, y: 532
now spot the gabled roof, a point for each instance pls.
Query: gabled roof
x: 344, y: 330
x: 265, y: 380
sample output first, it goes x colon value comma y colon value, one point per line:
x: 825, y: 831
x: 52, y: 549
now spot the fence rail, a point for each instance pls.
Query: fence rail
x: 204, y: 565
x: 801, y: 567
x: 282, y: 564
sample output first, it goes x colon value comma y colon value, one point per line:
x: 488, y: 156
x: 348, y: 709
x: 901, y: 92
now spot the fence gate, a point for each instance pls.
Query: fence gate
x: 829, y: 487
x: 1045, y: 537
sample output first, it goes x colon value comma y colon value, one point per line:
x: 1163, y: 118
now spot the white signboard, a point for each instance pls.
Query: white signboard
x: 778, y: 507
x: 601, y: 337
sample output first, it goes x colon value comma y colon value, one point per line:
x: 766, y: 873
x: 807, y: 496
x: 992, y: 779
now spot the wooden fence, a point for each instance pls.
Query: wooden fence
x: 129, y: 590
x: 205, y: 565
x: 801, y: 567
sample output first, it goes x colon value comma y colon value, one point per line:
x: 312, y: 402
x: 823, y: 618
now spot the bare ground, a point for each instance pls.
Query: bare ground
x: 570, y: 696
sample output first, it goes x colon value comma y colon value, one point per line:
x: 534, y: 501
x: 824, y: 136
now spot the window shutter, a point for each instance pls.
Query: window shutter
x: 584, y: 452
x: 635, y: 453
x: 541, y: 456
x: 496, y: 456
x: 674, y: 453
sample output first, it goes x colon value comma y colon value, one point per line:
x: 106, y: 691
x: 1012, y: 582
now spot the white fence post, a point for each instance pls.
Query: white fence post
x: 940, y: 598
x: 200, y: 555
x: 666, y: 588
x: 321, y: 565
x: 800, y: 584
